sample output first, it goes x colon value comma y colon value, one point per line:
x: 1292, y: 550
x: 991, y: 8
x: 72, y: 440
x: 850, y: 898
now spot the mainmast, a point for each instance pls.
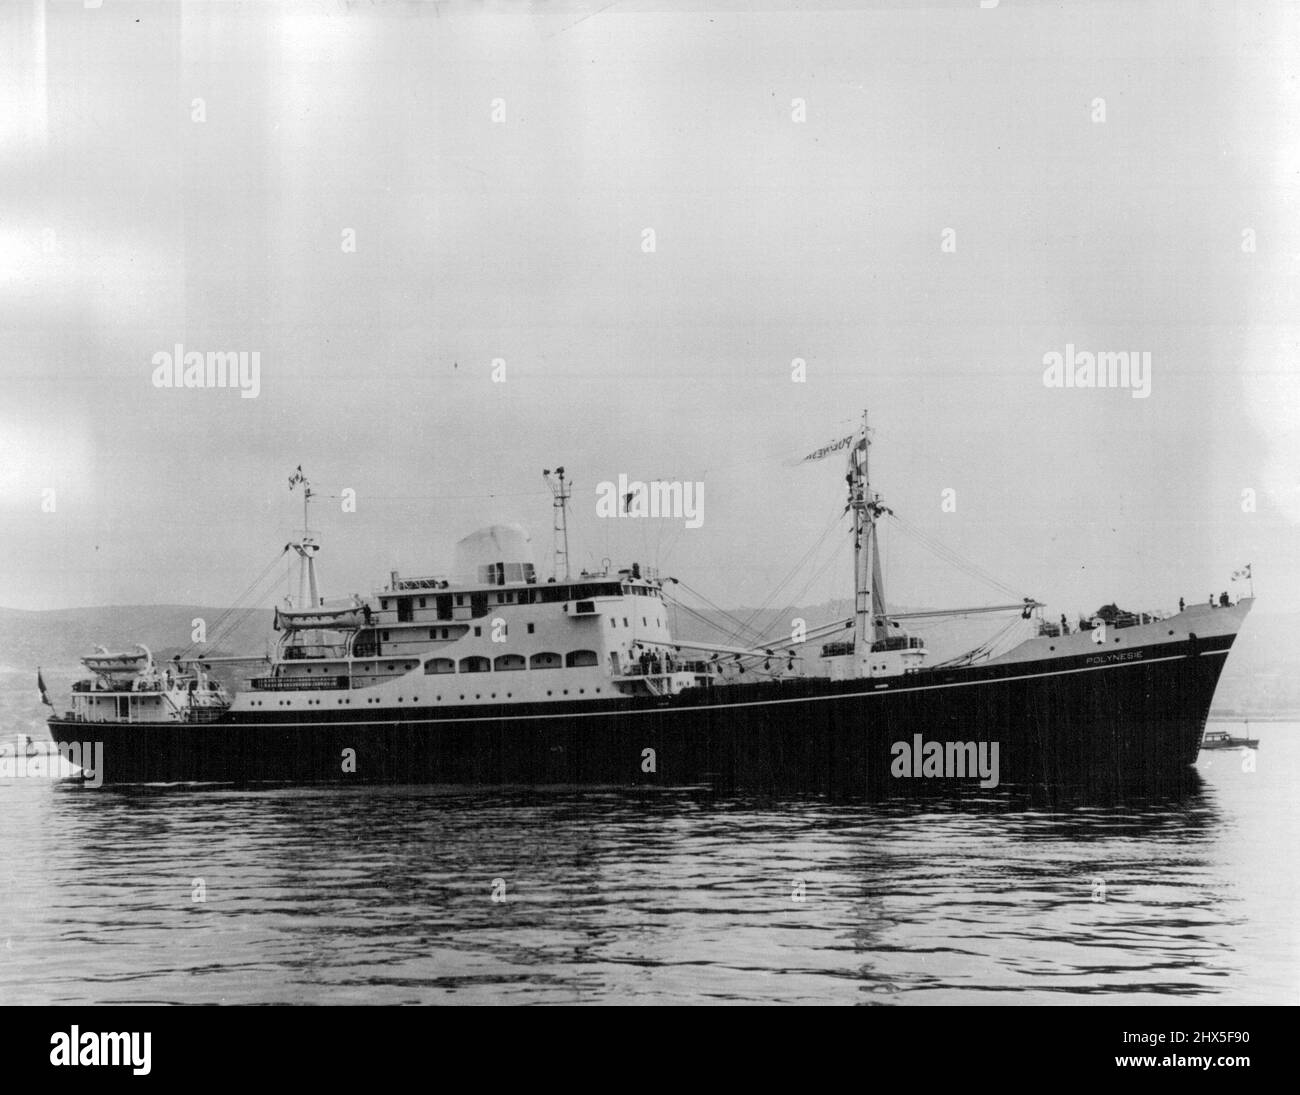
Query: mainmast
x: 870, y: 614
x: 306, y: 546
x: 560, y: 527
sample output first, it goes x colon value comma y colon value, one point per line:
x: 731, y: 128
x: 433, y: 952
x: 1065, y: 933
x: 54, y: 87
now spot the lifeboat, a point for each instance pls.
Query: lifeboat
x: 337, y: 619
x: 118, y: 663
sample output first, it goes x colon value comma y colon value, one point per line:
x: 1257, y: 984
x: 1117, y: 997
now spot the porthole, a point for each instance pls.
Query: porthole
x: 1051, y: 648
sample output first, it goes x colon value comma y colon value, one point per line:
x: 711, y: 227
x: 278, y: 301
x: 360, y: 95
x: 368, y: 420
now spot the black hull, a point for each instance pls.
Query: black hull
x: 1063, y: 723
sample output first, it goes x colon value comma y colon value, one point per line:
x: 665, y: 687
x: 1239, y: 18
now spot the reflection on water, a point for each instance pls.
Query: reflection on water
x: 386, y: 895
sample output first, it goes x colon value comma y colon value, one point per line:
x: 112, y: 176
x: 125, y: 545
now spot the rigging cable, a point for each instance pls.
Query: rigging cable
x: 721, y: 611
x: 948, y: 555
x: 830, y: 528
x: 235, y: 606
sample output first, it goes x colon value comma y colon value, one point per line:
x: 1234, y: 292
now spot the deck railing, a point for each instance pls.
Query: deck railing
x: 296, y: 684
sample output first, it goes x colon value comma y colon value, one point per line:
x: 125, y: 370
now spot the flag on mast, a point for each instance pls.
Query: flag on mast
x: 829, y: 449
x: 1238, y: 575
x: 40, y: 683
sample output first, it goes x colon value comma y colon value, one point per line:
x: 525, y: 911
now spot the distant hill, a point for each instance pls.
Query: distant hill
x: 60, y: 638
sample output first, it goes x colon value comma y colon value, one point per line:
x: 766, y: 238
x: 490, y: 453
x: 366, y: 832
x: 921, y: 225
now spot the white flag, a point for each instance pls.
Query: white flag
x: 829, y: 449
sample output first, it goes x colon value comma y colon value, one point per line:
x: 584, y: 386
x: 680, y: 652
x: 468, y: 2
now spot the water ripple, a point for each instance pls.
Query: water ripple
x: 386, y: 895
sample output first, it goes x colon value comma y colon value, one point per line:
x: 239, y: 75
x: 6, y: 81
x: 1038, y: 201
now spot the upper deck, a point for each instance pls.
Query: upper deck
x: 429, y: 600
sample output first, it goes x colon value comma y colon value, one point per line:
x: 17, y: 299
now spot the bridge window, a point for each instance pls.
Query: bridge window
x: 580, y: 657
x: 439, y: 665
x: 545, y: 660
x: 509, y: 663
x: 475, y: 664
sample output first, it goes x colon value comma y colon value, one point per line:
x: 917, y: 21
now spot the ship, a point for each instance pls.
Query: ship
x: 490, y: 675
x: 1222, y: 739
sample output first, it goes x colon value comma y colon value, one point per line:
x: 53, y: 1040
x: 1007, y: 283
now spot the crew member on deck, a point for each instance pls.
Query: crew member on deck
x: 1223, y: 600
x: 1181, y: 605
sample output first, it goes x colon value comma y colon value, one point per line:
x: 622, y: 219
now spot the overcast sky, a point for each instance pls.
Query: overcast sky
x: 134, y: 217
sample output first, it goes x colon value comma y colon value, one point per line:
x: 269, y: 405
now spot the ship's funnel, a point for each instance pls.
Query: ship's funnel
x: 496, y: 554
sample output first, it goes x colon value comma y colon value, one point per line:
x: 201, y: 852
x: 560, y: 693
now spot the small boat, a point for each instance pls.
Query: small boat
x: 1221, y: 739
x: 127, y: 662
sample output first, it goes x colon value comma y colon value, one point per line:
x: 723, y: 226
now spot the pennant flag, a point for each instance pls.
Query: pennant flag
x: 40, y: 683
x: 296, y: 478
x: 829, y: 449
